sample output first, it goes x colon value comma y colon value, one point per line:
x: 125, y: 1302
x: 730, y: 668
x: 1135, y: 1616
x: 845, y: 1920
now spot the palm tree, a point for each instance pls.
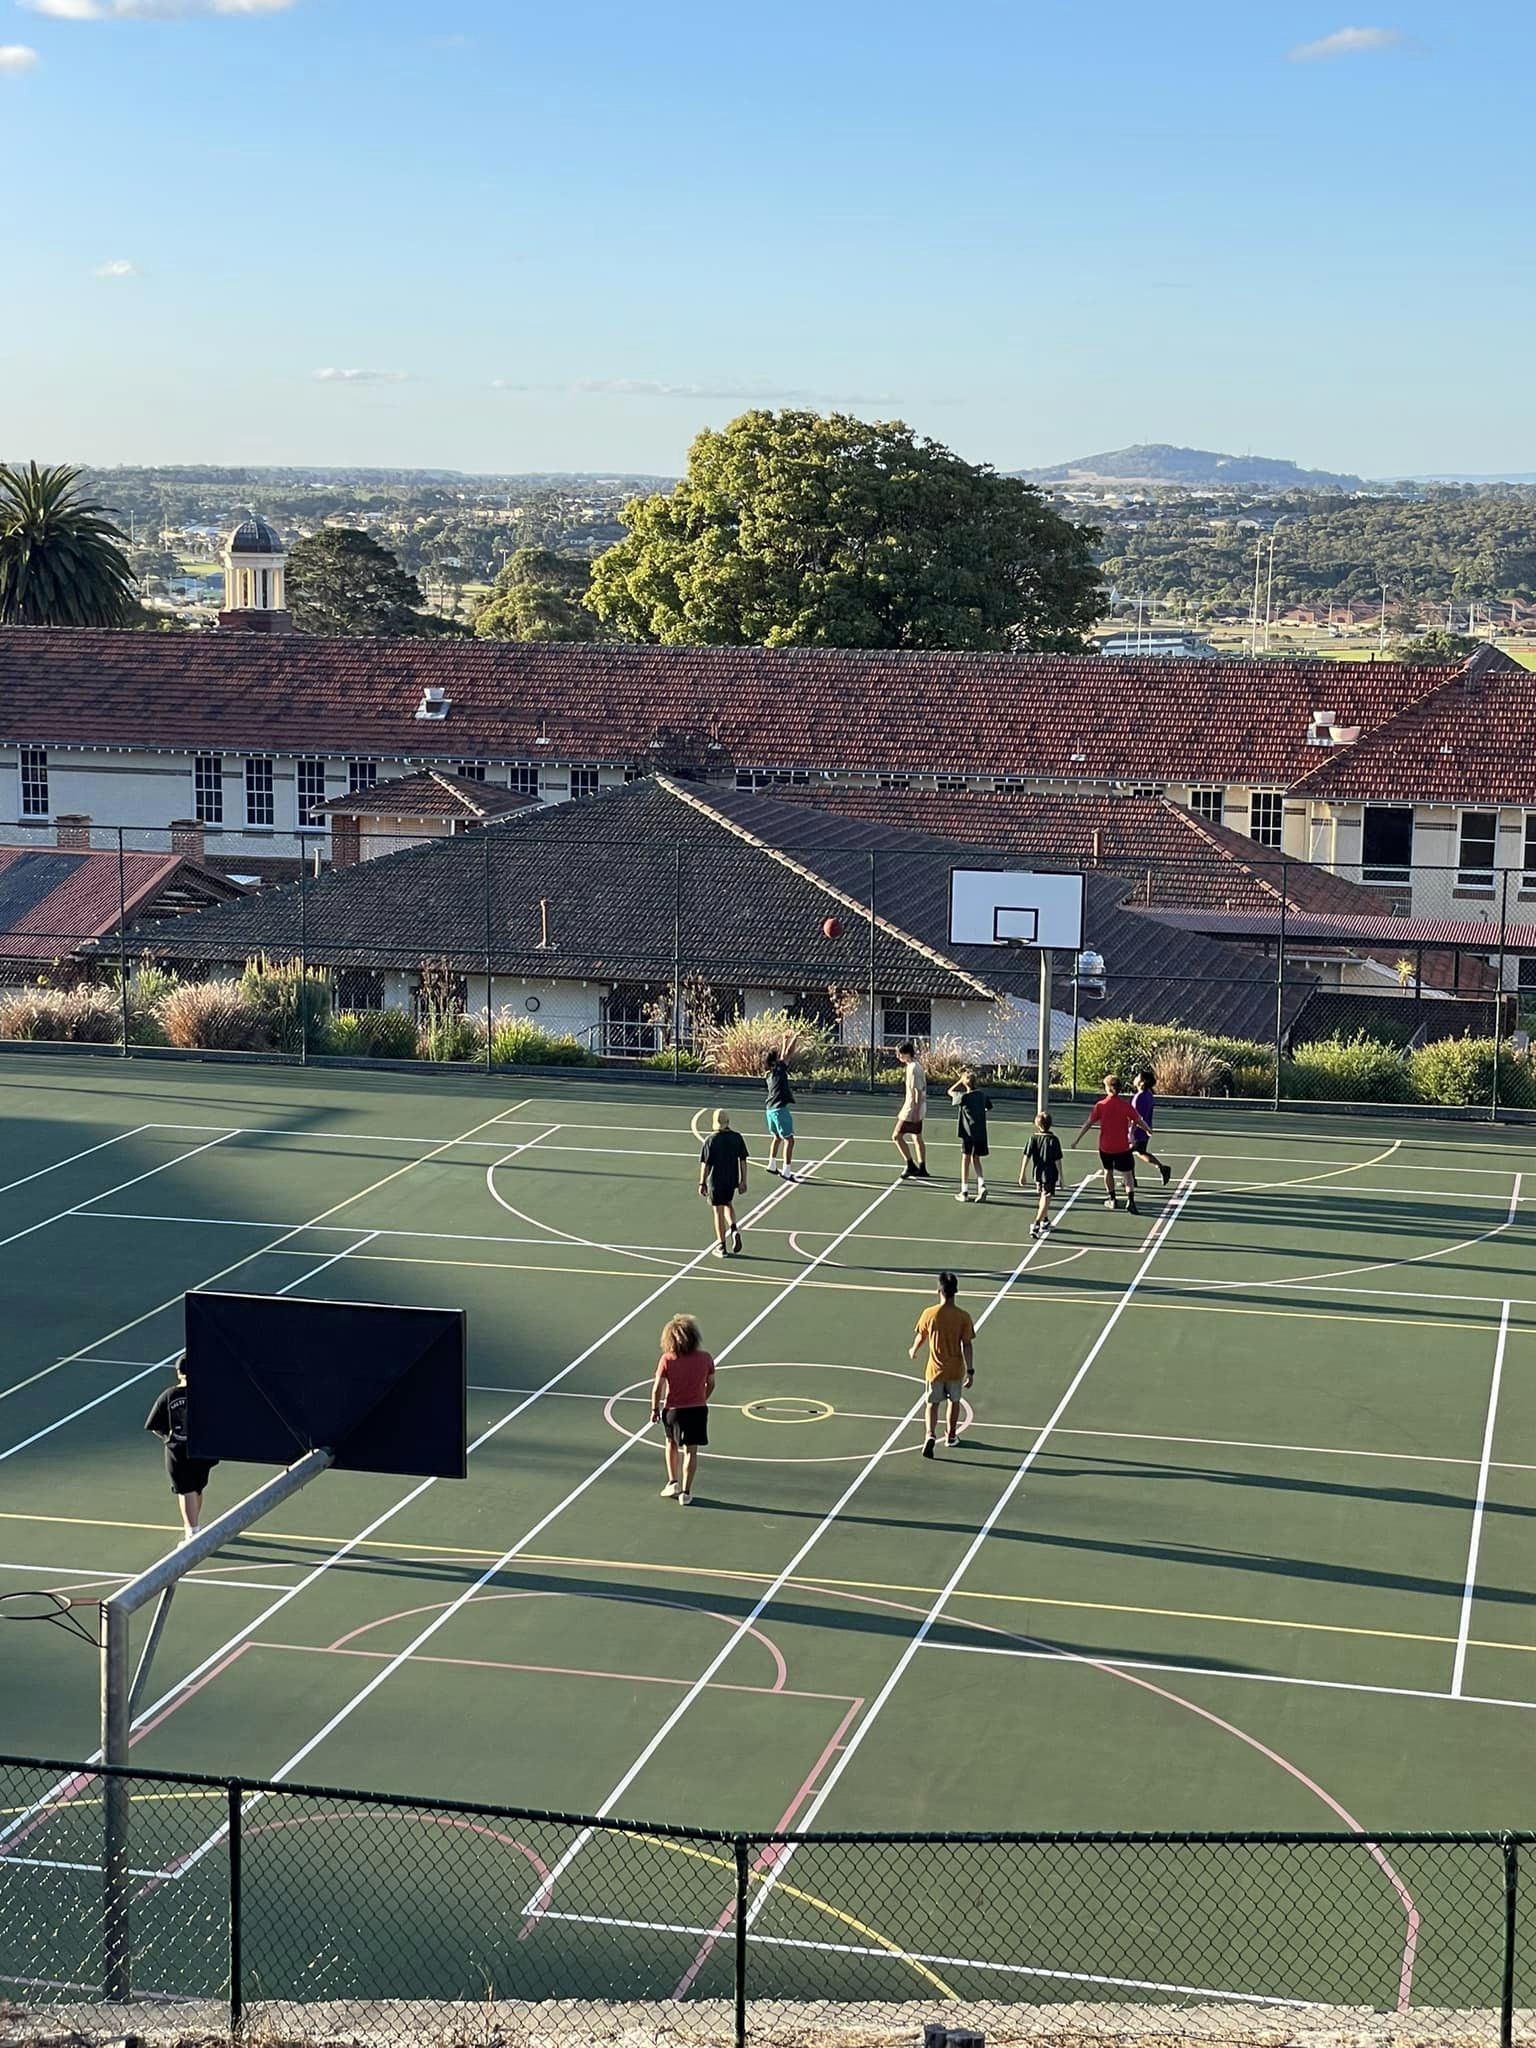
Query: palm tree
x: 60, y: 562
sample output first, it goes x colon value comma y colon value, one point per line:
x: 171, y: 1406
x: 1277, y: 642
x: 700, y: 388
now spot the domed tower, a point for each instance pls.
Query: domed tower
x: 255, y: 567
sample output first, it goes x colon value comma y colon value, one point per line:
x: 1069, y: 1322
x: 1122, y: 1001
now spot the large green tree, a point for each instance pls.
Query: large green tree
x: 61, y: 558
x: 343, y: 585
x: 539, y: 595
x: 795, y: 530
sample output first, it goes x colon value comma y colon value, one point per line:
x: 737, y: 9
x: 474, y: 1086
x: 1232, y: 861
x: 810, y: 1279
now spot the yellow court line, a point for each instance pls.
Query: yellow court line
x: 806, y: 1899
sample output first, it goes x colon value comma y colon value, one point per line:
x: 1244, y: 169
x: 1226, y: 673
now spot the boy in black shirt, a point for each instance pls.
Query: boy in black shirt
x: 188, y: 1476
x: 973, y: 1107
x: 781, y: 1116
x: 1042, y: 1164
x: 722, y: 1176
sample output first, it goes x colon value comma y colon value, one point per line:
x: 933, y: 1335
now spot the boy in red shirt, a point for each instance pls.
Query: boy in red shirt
x: 685, y: 1379
x: 1116, y: 1120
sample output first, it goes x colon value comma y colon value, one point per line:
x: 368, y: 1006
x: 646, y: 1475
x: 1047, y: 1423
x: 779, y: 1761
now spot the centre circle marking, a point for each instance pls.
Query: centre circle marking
x: 804, y: 1411
x: 641, y: 1388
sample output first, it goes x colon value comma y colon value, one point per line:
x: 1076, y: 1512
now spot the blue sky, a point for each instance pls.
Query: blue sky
x: 529, y: 237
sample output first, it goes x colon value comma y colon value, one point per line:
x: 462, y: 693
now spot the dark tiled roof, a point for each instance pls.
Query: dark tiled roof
x: 1050, y: 717
x: 253, y: 536
x: 602, y: 890
x: 434, y: 793
x: 52, y: 899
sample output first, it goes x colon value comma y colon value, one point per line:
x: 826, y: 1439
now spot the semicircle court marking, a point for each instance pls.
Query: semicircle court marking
x: 629, y: 1393
x: 591, y: 1244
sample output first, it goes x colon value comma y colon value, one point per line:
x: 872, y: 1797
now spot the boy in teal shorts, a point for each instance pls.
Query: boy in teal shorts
x: 781, y: 1115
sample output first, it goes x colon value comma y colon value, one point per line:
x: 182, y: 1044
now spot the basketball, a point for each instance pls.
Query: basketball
x: 832, y: 928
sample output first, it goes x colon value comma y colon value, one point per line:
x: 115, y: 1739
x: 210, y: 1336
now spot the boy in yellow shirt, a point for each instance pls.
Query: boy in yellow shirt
x: 950, y: 1335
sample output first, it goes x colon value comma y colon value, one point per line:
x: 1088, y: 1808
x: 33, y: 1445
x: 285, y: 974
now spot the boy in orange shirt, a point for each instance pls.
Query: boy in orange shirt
x: 950, y: 1335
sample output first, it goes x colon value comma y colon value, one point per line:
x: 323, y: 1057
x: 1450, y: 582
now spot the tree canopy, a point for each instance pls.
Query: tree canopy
x: 795, y: 530
x: 61, y: 560
x: 539, y: 595
x: 1434, y: 649
x: 342, y: 585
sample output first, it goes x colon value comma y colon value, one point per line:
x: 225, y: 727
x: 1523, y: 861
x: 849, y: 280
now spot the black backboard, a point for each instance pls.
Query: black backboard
x: 272, y: 1377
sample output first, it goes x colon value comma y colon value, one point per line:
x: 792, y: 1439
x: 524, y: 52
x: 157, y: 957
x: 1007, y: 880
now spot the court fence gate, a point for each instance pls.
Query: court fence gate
x: 282, y: 1912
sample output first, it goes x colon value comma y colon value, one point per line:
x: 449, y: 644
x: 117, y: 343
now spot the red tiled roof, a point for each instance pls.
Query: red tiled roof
x: 1479, y: 935
x: 1469, y: 738
x: 1079, y: 718
x: 54, y: 898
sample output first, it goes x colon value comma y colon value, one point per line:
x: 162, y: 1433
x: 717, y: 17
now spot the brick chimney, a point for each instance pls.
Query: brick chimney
x: 73, y: 829
x: 187, y: 837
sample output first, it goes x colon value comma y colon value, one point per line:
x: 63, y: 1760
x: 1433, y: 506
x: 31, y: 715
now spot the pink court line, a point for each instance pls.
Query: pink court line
x: 769, y: 1856
x: 303, y: 1820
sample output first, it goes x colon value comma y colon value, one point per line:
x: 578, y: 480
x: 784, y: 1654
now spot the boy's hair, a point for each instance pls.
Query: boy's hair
x: 680, y: 1336
x: 1145, y: 1078
x: 720, y: 1121
x: 949, y: 1285
x: 180, y: 1366
x: 906, y: 1049
x: 968, y: 1077
x: 772, y: 1055
x: 1043, y: 1120
x: 1111, y: 1084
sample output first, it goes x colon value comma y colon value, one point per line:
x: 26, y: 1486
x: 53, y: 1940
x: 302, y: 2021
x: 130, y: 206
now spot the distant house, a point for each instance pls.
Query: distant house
x: 585, y: 917
x: 431, y: 805
x: 1159, y: 643
x: 56, y: 899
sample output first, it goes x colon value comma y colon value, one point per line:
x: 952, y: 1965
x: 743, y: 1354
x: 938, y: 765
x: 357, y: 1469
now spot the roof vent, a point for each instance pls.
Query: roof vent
x: 434, y: 702
x: 1324, y: 717
x: 1343, y: 735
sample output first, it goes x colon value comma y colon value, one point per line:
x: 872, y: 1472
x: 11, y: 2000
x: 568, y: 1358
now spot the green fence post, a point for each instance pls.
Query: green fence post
x: 743, y: 1872
x: 236, y: 1966
x: 122, y: 937
x: 874, y: 1007
x: 1511, y: 1921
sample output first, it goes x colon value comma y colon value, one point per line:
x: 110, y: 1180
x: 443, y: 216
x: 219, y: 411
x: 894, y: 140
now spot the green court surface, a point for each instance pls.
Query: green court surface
x: 1238, y: 1535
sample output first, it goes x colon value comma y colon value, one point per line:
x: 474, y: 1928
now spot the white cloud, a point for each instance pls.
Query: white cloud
x: 16, y: 58
x: 334, y: 376
x: 118, y: 267
x: 1348, y: 42
x: 150, y: 10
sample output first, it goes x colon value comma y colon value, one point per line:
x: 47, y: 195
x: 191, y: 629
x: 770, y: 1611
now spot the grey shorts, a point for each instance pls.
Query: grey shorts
x: 944, y: 1390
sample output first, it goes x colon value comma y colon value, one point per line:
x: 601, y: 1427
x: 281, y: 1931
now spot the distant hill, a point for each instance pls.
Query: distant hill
x: 1156, y: 462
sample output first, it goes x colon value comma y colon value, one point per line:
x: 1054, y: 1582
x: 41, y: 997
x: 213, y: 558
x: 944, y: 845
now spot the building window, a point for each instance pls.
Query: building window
x: 1207, y: 804
x: 34, y: 782
x: 1528, y: 864
x: 1266, y: 818
x: 208, y: 789
x: 584, y: 780
x: 1386, y: 846
x: 1527, y: 982
x: 905, y: 1020
x: 1475, y: 852
x: 1008, y: 785
x: 362, y: 775
x: 311, y: 789
x: 259, y: 807
x: 773, y: 778
x: 359, y: 988
x: 473, y: 771
x: 635, y: 1023
x: 894, y: 782
x: 951, y: 785
x: 523, y: 778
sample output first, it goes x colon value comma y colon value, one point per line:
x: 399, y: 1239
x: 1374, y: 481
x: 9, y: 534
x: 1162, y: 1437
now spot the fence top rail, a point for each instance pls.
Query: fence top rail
x: 1093, y: 1838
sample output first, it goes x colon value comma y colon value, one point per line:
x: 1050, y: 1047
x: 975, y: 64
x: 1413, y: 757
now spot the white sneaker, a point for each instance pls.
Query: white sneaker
x: 981, y: 1191
x: 787, y: 1175
x: 684, y: 1500
x: 669, y: 1491
x: 773, y: 1166
x: 720, y: 1242
x: 962, y: 1196
x: 1111, y: 1203
x: 1034, y: 1230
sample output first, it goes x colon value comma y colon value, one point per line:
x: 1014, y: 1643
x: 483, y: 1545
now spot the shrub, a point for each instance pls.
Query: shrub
x: 78, y: 1016
x: 1461, y: 1071
x: 1357, y: 1069
x: 741, y: 1045
x: 392, y: 1033
x: 515, y: 1042
x: 688, y: 1061
x: 449, y: 1035
x: 1249, y: 1078
x: 293, y: 1001
x: 148, y: 987
x: 1115, y: 1045
x: 213, y: 1016
x: 1188, y: 1066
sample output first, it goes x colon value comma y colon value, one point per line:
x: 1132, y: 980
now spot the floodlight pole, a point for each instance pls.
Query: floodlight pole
x: 120, y: 1695
x: 1043, y: 1078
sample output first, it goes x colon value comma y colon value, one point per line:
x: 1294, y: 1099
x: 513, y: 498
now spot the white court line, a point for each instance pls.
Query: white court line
x: 79, y: 1578
x: 223, y: 1272
x: 1469, y: 1590
x: 137, y: 1130
x: 1154, y: 1243
x: 53, y: 1863
x: 886, y: 1955
x: 121, y: 1386
x: 344, y: 1550
x: 1396, y: 1692
x: 776, y: 1587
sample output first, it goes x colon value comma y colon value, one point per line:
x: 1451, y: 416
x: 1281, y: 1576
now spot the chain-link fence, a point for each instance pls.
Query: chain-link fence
x: 545, y: 943
x: 305, y: 1914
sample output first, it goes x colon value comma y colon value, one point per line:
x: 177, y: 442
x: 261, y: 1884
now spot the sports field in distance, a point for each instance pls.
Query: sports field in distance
x: 1238, y: 1534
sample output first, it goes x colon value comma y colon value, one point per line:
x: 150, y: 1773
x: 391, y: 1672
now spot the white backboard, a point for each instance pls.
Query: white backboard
x: 999, y: 907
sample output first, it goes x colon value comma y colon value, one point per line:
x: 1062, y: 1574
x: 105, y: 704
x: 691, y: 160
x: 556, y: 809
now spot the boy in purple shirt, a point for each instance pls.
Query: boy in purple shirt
x: 1144, y: 1102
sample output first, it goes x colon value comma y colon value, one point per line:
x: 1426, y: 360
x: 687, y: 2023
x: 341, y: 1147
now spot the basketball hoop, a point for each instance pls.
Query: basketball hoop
x: 59, y: 1608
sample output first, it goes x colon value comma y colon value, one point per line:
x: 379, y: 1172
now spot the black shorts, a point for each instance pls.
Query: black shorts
x: 1048, y: 1182
x: 187, y: 1475
x: 1141, y: 1141
x: 686, y: 1425
x: 1118, y: 1162
x: 723, y: 1194
x: 974, y: 1148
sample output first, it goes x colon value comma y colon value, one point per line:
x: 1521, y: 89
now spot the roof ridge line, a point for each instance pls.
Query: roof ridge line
x: 1376, y: 732
x: 892, y: 931
x: 1229, y: 853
